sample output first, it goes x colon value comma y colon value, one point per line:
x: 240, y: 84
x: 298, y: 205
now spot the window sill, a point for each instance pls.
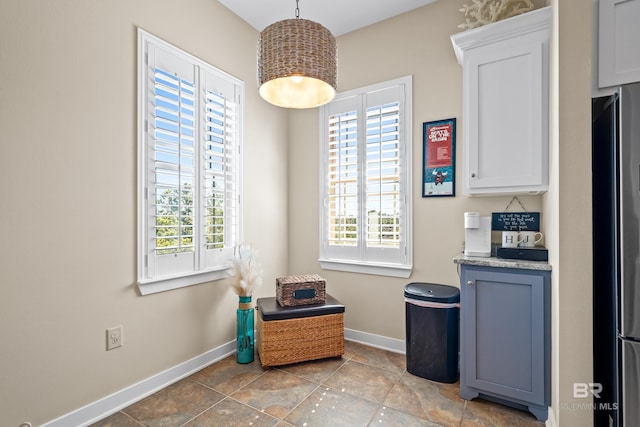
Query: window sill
x: 378, y: 269
x: 153, y: 286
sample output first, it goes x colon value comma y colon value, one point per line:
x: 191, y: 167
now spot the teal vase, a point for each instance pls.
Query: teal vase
x: 245, y: 330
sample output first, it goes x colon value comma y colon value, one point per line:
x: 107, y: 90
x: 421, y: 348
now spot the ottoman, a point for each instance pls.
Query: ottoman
x: 287, y: 335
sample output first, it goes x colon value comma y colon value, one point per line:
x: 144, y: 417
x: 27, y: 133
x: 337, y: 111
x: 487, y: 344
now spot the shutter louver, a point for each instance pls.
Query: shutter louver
x: 173, y: 134
x: 383, y: 196
x: 343, y: 179
x: 221, y: 163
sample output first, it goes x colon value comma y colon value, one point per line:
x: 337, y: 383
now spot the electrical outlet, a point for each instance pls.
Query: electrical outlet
x: 114, y: 337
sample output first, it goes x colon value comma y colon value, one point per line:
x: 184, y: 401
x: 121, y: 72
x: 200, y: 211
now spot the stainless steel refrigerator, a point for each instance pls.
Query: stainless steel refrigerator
x: 616, y: 258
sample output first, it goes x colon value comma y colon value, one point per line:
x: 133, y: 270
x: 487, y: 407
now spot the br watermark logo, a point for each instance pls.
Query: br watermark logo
x: 585, y: 391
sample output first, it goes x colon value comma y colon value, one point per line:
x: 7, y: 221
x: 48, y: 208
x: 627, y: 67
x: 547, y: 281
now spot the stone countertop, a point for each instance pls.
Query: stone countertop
x: 502, y: 262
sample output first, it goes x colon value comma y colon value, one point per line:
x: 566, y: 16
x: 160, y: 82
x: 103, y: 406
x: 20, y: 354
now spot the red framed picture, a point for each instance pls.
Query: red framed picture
x: 439, y: 157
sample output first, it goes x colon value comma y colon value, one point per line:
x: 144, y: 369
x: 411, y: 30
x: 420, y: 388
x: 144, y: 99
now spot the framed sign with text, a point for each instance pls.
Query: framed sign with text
x: 515, y: 221
x: 438, y: 158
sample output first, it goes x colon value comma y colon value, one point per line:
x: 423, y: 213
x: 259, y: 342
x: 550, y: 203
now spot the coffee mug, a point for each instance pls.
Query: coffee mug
x: 510, y: 239
x: 529, y: 239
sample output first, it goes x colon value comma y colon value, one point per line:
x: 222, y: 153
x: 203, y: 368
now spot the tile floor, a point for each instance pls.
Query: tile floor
x: 366, y: 387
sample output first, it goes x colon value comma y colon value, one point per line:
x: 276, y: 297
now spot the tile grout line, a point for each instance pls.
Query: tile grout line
x: 207, y: 408
x: 225, y: 395
x: 299, y: 403
x: 254, y: 408
x: 464, y: 408
x: 319, y: 378
x: 130, y: 417
x: 381, y: 405
x: 318, y: 385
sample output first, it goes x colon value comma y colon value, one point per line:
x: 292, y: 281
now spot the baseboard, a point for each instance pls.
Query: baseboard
x: 551, y: 418
x: 104, y: 407
x: 391, y: 344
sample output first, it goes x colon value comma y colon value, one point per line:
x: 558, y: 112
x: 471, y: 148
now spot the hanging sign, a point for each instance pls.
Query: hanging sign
x: 515, y: 221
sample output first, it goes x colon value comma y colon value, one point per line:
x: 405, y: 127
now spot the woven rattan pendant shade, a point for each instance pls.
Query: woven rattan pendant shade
x: 297, y: 64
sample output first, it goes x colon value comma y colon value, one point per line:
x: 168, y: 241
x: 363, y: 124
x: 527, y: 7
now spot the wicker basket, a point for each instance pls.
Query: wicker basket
x: 281, y: 342
x: 300, y: 290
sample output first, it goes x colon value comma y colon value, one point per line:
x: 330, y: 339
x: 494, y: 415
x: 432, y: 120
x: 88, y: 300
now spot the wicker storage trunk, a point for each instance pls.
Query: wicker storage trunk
x: 291, y: 335
x: 300, y: 290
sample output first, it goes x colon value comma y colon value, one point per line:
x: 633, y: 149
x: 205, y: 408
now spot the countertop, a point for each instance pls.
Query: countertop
x: 502, y: 262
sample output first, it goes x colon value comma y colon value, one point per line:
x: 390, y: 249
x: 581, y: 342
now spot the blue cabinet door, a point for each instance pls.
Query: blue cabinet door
x: 505, y: 337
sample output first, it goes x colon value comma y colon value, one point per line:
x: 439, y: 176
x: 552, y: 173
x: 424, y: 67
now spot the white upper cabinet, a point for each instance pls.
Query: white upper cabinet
x: 506, y: 105
x: 619, y: 42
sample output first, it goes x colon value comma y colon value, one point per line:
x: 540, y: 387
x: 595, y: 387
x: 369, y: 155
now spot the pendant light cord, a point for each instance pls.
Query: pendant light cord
x: 297, y: 9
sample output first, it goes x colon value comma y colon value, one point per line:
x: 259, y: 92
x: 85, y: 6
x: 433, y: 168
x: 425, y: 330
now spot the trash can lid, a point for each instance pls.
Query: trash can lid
x: 432, y: 292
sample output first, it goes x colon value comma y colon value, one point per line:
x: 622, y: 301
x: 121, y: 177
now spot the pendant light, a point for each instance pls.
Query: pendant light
x: 297, y: 63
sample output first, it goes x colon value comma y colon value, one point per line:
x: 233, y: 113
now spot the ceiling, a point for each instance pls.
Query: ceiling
x: 339, y: 16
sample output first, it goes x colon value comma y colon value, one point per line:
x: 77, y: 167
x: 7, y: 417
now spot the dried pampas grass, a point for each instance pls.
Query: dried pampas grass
x: 482, y: 12
x: 245, y: 270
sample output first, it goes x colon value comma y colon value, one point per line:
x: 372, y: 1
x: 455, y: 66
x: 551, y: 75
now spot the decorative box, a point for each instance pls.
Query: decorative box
x: 300, y: 290
x: 287, y: 335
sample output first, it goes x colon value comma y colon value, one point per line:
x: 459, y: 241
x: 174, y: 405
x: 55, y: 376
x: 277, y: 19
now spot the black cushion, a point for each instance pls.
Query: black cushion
x: 270, y: 309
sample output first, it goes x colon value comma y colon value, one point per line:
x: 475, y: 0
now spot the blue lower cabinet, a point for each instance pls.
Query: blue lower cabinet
x: 505, y: 336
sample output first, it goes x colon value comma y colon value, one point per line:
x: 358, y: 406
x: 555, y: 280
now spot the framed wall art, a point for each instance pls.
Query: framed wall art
x: 439, y: 158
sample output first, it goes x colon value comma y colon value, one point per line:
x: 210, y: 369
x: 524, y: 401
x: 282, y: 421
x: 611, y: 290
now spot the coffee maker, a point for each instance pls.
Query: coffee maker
x: 477, y: 235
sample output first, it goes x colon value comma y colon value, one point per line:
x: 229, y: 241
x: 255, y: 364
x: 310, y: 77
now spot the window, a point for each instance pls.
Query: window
x: 190, y: 121
x: 366, y: 180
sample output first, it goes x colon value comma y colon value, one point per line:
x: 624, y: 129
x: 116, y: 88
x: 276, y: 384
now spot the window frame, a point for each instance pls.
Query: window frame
x: 205, y: 266
x: 351, y: 259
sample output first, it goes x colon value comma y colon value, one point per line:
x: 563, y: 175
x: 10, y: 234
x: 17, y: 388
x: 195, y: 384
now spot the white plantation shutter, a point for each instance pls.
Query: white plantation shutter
x: 343, y: 179
x: 383, y: 181
x: 221, y: 171
x: 190, y: 121
x: 366, y: 187
x: 382, y: 186
x: 171, y: 133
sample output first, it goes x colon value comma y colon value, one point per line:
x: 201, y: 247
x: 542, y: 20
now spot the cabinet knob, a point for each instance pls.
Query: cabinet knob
x: 470, y: 283
x: 473, y: 174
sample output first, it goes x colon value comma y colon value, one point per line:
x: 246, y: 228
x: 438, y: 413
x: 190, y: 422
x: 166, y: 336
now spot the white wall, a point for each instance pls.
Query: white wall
x: 68, y: 200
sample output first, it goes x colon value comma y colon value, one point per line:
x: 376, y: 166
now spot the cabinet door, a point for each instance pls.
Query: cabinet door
x: 506, y: 99
x: 618, y: 38
x: 504, y: 334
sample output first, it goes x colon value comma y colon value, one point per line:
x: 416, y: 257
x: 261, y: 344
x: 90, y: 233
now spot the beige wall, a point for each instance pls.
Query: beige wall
x: 417, y: 43
x: 68, y: 200
x: 567, y: 208
x: 64, y: 279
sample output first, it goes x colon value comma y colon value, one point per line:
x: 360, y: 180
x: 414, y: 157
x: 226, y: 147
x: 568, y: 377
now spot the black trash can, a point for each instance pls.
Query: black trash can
x: 432, y: 324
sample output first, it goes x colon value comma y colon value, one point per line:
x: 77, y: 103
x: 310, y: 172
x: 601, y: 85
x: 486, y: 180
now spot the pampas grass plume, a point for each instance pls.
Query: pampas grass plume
x: 245, y: 271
